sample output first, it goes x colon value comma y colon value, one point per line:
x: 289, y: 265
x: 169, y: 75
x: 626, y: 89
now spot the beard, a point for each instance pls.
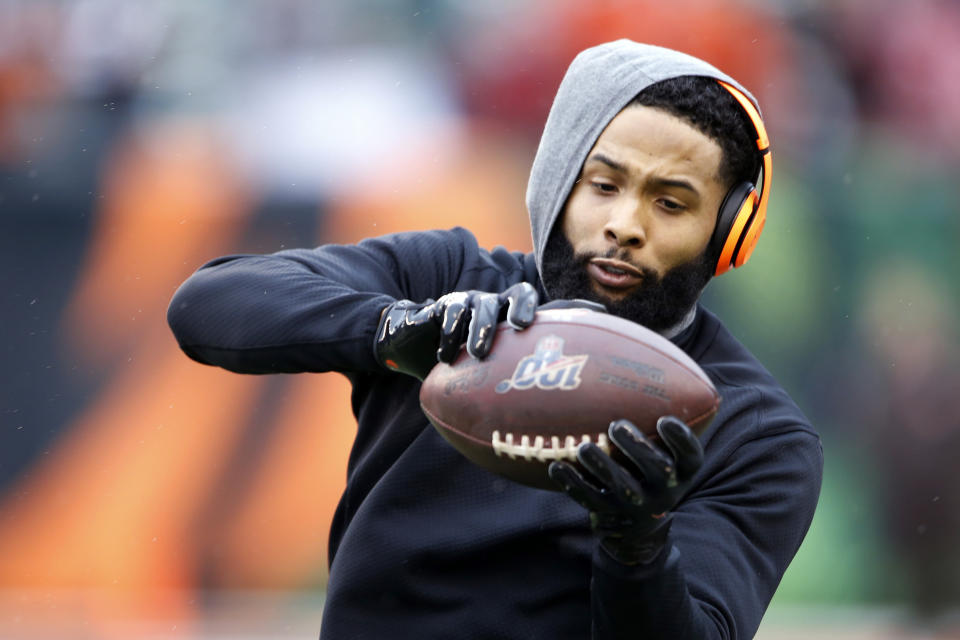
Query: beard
x: 661, y: 302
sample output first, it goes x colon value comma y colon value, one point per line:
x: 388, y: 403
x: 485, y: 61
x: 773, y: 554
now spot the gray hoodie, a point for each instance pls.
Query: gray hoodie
x: 600, y: 82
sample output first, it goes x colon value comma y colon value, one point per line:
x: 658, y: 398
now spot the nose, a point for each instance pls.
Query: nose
x: 625, y: 227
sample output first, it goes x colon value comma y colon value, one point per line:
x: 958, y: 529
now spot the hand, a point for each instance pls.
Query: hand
x: 630, y: 504
x: 413, y: 337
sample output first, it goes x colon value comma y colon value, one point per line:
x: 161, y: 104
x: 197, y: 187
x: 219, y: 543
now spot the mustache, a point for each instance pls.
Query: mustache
x: 582, y: 258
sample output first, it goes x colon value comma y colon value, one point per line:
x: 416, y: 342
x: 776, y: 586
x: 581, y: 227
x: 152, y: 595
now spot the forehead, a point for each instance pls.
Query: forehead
x: 642, y: 137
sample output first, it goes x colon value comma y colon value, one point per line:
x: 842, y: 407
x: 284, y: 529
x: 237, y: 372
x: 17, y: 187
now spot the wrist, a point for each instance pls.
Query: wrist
x: 406, y: 341
x: 638, y: 547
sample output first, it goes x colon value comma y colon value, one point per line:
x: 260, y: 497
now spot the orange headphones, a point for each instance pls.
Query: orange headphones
x: 743, y: 211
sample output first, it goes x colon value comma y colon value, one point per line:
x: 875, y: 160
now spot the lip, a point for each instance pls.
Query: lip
x: 600, y: 270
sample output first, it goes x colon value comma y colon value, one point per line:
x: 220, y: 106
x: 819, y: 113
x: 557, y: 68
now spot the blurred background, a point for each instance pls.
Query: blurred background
x: 144, y: 495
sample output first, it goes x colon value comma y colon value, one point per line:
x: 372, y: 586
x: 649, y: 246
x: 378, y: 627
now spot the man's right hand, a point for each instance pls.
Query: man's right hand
x: 413, y: 337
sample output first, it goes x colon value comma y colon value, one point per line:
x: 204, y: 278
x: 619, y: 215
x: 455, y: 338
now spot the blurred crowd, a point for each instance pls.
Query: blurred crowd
x: 140, y: 139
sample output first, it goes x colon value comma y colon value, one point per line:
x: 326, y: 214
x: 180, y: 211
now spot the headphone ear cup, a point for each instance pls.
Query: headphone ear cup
x: 750, y: 235
x: 735, y: 212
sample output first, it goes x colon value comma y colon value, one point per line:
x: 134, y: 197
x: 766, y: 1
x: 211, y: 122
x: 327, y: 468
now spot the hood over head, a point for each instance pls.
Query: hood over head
x: 599, y: 83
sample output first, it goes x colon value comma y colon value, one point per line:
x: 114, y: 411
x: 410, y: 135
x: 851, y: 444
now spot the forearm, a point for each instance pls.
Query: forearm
x: 648, y: 601
x: 312, y: 309
x: 268, y: 314
x: 730, y: 543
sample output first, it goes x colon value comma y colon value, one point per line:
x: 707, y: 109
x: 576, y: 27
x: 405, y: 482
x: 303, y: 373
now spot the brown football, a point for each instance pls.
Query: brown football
x: 545, y: 389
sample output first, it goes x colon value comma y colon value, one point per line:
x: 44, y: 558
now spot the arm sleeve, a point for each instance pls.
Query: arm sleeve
x: 730, y: 544
x: 309, y: 309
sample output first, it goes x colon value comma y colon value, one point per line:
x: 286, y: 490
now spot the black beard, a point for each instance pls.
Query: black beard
x: 659, y: 303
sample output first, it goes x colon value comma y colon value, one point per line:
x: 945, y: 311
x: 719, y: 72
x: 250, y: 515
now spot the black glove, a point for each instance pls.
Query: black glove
x: 412, y: 336
x: 630, y: 507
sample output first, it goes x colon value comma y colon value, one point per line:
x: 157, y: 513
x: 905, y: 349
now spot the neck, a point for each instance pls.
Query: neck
x: 672, y: 332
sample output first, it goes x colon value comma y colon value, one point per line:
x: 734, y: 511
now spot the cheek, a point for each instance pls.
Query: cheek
x: 570, y: 228
x: 575, y: 219
x: 705, y: 232
x: 685, y: 242
x: 701, y: 232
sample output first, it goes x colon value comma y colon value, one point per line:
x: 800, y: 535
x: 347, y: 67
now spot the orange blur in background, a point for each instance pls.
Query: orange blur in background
x: 171, y: 483
x: 167, y: 481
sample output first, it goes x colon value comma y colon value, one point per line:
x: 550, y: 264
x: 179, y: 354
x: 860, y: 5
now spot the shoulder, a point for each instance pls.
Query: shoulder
x: 457, y: 253
x: 754, y: 406
x: 454, y: 244
x: 481, y: 268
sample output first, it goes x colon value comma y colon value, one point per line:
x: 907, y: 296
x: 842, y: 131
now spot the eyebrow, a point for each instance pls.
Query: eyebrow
x: 621, y: 168
x: 610, y: 162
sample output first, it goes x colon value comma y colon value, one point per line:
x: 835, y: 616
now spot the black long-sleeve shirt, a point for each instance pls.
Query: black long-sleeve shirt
x: 426, y: 545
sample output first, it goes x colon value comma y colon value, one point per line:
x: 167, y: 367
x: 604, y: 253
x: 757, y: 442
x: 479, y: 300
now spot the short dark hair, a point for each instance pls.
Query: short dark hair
x: 708, y: 107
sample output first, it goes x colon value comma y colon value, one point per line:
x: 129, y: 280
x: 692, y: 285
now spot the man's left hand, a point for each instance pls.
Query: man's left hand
x: 630, y: 503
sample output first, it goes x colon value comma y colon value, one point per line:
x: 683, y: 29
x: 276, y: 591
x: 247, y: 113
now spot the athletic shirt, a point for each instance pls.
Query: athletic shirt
x: 424, y: 544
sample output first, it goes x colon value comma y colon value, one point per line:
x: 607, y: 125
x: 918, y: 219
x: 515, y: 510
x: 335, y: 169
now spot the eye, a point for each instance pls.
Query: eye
x: 671, y: 205
x: 603, y: 187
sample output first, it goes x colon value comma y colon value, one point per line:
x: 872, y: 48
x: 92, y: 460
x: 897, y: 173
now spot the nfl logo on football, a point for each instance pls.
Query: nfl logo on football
x: 547, y: 368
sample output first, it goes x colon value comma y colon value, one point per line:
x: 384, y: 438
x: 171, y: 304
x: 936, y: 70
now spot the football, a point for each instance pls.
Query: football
x: 543, y: 390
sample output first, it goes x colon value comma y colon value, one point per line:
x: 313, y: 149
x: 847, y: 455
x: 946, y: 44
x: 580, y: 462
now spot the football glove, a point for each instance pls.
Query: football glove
x: 413, y: 337
x: 630, y: 503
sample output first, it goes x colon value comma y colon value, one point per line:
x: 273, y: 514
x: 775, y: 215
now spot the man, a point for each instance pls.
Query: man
x: 643, y: 147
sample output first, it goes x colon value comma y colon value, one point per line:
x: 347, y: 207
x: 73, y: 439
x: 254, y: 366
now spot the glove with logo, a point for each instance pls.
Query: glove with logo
x: 413, y: 337
x: 630, y: 504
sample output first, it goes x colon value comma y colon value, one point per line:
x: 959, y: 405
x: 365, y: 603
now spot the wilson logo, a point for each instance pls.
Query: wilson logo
x: 547, y: 368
